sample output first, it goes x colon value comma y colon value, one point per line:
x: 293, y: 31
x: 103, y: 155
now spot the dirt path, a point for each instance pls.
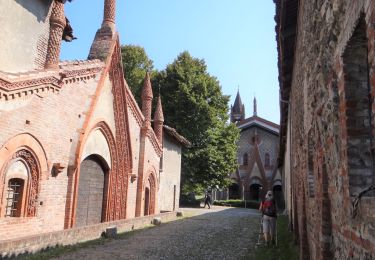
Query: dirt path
x: 219, y: 233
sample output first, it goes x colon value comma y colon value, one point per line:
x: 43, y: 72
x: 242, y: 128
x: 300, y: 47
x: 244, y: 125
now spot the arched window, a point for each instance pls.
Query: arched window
x: 245, y: 159
x: 358, y: 114
x: 21, y: 186
x: 267, y: 162
x: 14, y: 197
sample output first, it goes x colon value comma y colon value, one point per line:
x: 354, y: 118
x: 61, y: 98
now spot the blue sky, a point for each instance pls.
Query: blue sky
x: 236, y: 38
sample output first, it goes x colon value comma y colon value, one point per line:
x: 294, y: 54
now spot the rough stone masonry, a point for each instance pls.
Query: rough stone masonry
x: 327, y: 88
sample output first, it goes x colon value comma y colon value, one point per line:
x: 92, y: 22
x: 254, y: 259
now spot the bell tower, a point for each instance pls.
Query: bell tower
x: 237, y: 111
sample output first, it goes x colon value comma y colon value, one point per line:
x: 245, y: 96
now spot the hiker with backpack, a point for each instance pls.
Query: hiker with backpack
x: 269, y: 215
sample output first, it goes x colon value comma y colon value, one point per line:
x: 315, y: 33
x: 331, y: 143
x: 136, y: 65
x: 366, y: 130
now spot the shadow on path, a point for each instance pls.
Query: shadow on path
x: 218, y: 233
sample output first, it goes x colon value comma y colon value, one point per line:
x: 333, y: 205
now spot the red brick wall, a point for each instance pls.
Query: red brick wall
x: 55, y: 121
x: 323, y: 223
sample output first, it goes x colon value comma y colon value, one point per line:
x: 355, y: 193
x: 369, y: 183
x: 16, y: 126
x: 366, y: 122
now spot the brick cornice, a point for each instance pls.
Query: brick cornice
x: 18, y: 85
x: 154, y: 141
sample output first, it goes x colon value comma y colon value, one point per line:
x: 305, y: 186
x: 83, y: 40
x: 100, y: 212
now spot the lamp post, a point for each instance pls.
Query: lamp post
x: 243, y: 189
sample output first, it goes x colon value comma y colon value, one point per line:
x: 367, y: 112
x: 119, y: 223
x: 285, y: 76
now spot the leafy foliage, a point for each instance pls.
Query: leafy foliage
x: 135, y: 63
x: 193, y: 104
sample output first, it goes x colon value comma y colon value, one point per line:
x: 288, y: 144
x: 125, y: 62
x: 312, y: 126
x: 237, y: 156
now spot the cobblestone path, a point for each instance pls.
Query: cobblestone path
x: 219, y: 233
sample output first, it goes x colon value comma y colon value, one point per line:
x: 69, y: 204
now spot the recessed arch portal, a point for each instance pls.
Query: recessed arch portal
x: 150, y: 194
x: 23, y: 163
x: 92, y: 191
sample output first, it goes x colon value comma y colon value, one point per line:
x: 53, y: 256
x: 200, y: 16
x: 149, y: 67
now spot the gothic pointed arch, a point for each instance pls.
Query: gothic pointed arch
x: 123, y: 167
x: 256, y: 161
x: 150, y: 191
x: 108, y: 161
x: 24, y: 154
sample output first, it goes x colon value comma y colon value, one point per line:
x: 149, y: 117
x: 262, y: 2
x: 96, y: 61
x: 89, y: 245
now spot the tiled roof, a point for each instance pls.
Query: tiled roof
x: 255, y: 120
x: 173, y: 133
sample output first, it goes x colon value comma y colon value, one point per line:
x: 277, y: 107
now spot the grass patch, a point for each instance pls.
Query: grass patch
x: 286, y: 248
x: 59, y: 250
x: 252, y: 204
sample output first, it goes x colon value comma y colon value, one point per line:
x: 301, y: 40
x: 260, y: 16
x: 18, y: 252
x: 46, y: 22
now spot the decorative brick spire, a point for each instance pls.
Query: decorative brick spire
x: 57, y: 25
x: 255, y: 106
x: 109, y: 13
x: 158, y: 121
x: 147, y: 98
x: 104, y: 36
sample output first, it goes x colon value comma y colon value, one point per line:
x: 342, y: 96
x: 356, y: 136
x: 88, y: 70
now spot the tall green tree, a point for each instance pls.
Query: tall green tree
x: 194, y: 104
x: 135, y: 63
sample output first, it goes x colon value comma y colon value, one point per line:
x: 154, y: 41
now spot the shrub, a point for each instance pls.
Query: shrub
x: 189, y: 201
x: 253, y: 204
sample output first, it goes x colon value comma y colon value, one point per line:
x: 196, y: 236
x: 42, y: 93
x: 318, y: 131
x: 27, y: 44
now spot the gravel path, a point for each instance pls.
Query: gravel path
x: 219, y: 233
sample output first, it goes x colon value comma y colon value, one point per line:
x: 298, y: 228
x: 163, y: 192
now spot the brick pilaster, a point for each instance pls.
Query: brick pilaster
x: 57, y: 24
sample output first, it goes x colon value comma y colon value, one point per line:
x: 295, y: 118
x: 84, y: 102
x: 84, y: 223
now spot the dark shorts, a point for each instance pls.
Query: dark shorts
x: 269, y: 225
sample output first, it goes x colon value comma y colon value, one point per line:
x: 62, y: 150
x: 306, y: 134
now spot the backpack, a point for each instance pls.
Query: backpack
x: 269, y: 208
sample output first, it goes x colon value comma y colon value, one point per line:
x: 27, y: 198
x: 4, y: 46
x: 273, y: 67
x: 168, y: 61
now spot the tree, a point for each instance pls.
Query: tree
x: 194, y: 104
x: 135, y: 63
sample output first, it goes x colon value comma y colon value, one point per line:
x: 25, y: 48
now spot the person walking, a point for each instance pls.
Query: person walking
x: 207, y: 201
x: 269, y: 216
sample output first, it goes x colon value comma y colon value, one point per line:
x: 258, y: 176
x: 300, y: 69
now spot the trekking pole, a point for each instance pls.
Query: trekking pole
x: 276, y: 233
x: 260, y: 231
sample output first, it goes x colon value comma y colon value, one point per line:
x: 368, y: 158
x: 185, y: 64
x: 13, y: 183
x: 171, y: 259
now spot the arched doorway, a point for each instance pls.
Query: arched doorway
x: 92, y: 189
x: 254, y: 193
x: 149, y: 195
x: 147, y: 202
x: 234, y: 191
x: 278, y: 195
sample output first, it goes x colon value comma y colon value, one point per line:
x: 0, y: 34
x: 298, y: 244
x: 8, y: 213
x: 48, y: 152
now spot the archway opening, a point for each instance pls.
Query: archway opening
x: 147, y: 202
x: 234, y: 191
x: 254, y: 193
x: 92, y: 190
x: 278, y: 195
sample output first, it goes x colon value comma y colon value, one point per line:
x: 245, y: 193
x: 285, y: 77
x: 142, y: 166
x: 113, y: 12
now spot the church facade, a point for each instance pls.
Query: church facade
x: 75, y: 148
x: 257, y: 155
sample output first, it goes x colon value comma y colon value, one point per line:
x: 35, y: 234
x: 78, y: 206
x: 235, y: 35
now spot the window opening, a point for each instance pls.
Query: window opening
x: 245, y: 162
x: 358, y: 113
x: 267, y: 162
x: 14, y: 198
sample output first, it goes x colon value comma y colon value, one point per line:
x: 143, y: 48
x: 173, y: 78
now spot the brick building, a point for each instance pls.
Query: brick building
x: 257, y: 155
x: 327, y: 88
x: 75, y: 149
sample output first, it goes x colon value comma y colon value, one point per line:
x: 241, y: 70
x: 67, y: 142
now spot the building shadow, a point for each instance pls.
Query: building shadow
x: 39, y: 8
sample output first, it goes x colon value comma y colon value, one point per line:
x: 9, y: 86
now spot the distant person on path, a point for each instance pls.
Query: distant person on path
x: 207, y: 201
x: 268, y: 209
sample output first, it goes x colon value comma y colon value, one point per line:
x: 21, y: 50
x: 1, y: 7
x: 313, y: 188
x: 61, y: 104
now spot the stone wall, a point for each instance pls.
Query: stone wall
x: 32, y: 244
x: 25, y: 37
x: 331, y: 114
x: 171, y: 175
